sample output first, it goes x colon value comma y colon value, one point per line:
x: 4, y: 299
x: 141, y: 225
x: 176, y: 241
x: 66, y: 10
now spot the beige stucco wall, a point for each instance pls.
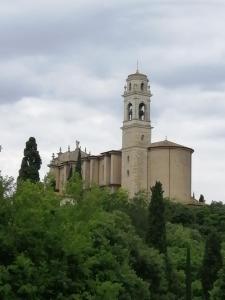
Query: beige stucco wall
x: 94, y: 170
x: 103, y: 170
x: 172, y: 167
x: 136, y: 134
x: 115, y: 169
x: 86, y: 172
x: 134, y: 170
x: 107, y: 169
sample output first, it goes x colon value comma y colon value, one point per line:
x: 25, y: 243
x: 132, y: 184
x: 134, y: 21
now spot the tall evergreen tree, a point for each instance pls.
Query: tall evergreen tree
x: 31, y: 162
x: 188, y: 274
x: 156, y: 233
x: 212, y: 263
x: 201, y: 199
x: 70, y: 173
x: 78, y: 164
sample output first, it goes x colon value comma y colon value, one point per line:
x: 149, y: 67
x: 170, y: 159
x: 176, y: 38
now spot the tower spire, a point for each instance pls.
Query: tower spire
x: 137, y: 71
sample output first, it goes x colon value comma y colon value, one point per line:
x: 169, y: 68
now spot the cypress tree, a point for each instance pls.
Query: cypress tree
x: 31, y: 162
x: 70, y: 173
x: 212, y: 263
x: 188, y: 274
x: 78, y: 164
x: 156, y: 233
x: 201, y: 199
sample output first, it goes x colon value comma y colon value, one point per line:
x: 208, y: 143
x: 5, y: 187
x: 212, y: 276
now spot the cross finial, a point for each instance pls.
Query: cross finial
x: 166, y: 138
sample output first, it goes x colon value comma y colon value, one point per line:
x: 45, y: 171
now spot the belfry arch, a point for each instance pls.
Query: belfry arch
x: 141, y: 111
x: 130, y: 111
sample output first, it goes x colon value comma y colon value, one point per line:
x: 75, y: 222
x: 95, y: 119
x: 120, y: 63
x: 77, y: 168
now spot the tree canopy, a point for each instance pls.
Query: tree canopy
x: 91, y: 244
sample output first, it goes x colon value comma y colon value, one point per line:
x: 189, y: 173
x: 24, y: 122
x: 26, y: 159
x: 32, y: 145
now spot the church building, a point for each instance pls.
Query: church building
x: 140, y: 162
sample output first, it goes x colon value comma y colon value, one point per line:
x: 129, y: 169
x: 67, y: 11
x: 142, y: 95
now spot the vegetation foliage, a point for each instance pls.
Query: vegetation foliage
x: 92, y: 245
x: 31, y: 162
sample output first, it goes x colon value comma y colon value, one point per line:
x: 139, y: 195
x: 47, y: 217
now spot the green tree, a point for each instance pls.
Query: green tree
x: 212, y: 263
x: 188, y: 274
x: 31, y: 162
x: 156, y: 232
x: 7, y: 186
x: 78, y: 164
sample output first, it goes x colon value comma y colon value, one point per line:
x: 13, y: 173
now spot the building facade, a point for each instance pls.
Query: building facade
x: 139, y: 163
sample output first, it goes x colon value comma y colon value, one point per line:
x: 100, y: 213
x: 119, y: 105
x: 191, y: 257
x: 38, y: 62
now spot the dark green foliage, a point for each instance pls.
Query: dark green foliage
x: 31, y: 162
x: 91, y: 244
x: 156, y: 233
x: 54, y: 251
x: 204, y: 218
x: 188, y: 274
x: 212, y: 263
x: 78, y: 164
x: 218, y: 291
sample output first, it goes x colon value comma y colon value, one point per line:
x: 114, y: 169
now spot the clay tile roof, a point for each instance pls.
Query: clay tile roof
x: 168, y: 144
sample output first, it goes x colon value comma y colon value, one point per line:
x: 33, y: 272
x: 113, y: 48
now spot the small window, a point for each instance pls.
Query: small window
x: 142, y: 137
x: 142, y: 86
x: 128, y: 158
x: 129, y: 86
x: 128, y: 173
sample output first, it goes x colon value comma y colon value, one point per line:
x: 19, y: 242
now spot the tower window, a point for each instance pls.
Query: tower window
x: 142, y: 112
x: 142, y: 137
x: 142, y: 86
x: 129, y: 86
x: 130, y: 111
x: 128, y: 173
x: 128, y: 158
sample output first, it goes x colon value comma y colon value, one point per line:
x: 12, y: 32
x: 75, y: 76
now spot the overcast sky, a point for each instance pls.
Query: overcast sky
x: 63, y: 65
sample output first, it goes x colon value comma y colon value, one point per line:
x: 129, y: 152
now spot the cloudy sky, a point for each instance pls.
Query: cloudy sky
x: 64, y: 64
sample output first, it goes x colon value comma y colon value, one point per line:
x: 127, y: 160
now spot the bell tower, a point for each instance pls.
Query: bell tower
x: 136, y: 132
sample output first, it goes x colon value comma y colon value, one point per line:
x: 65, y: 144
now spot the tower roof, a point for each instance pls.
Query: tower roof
x: 137, y: 75
x: 168, y: 144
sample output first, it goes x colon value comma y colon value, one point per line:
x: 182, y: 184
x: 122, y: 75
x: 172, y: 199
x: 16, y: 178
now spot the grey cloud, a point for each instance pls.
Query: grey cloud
x: 64, y: 64
x: 207, y: 76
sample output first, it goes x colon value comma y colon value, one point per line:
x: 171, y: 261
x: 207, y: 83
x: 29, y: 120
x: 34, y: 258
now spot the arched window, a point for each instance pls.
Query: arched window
x: 129, y: 86
x: 142, y: 86
x: 130, y: 111
x: 142, y: 112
